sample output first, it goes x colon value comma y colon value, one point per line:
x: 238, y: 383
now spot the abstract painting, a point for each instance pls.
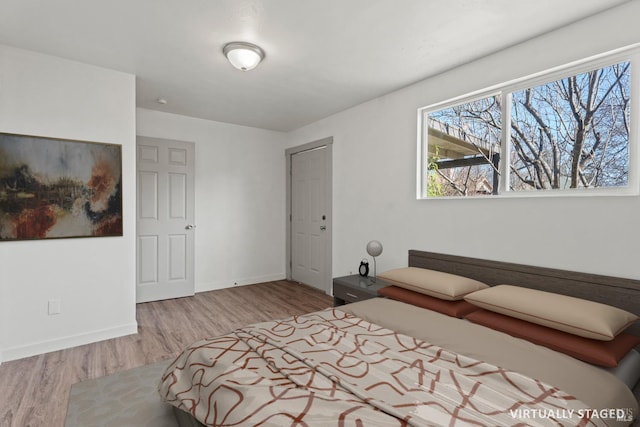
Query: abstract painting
x: 56, y: 188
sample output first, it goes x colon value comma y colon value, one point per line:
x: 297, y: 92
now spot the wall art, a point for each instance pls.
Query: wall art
x: 58, y: 188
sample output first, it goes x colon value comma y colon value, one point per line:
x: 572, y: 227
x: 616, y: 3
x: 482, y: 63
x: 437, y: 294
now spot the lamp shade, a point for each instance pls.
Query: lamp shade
x: 374, y: 248
x: 243, y: 56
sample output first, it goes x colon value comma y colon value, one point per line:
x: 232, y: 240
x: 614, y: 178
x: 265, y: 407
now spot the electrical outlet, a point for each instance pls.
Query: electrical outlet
x: 55, y: 306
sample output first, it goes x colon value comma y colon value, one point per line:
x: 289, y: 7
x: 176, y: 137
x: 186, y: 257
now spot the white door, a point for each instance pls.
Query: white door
x: 309, y: 217
x: 165, y: 219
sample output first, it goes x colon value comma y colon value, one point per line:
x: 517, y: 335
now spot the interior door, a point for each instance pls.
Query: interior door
x: 165, y: 219
x: 309, y: 217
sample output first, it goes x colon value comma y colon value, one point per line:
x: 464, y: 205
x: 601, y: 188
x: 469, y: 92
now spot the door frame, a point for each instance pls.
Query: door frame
x: 289, y: 152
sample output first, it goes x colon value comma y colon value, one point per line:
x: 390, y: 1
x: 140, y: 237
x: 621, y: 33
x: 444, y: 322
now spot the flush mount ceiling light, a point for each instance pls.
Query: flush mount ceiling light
x: 243, y: 56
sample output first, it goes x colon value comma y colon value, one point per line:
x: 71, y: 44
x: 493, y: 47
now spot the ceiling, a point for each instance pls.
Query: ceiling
x: 322, y: 56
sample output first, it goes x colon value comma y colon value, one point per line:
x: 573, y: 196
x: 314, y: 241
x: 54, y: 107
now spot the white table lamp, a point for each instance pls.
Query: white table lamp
x: 374, y: 248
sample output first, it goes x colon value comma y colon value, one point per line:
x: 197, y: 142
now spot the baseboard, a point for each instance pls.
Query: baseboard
x: 212, y: 286
x: 67, y: 342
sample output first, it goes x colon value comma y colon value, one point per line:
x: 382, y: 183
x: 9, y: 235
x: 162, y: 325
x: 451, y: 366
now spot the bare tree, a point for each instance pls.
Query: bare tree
x: 478, y: 124
x: 572, y: 132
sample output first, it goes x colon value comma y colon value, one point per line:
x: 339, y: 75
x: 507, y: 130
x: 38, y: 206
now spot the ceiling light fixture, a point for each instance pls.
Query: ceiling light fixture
x: 243, y: 56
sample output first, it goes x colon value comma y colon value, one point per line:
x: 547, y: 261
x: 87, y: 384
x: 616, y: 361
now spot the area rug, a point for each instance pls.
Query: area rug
x: 125, y: 399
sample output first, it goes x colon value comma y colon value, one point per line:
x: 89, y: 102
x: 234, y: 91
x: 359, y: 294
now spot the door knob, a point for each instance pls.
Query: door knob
x: 190, y: 227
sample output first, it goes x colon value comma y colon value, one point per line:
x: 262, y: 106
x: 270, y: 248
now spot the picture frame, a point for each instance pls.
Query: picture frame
x: 52, y: 188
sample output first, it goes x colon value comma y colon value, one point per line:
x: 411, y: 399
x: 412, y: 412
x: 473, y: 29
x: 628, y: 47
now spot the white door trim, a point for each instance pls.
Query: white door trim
x: 328, y: 143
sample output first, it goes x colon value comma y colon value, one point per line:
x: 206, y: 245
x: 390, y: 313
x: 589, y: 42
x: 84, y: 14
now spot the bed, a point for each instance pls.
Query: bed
x: 389, y: 362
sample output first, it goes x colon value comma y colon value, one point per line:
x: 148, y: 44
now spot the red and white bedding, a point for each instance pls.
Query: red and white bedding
x: 333, y: 368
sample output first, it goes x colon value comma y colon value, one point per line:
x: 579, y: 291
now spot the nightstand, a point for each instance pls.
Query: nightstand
x: 355, y: 288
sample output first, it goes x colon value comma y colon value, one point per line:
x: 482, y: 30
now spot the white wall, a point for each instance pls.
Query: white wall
x: 240, y: 198
x: 94, y: 277
x: 375, y: 174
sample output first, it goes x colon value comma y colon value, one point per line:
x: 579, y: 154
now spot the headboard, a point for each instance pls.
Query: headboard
x: 615, y: 291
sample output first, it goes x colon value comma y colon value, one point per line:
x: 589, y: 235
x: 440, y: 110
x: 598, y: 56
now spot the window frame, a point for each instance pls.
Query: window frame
x: 505, y: 91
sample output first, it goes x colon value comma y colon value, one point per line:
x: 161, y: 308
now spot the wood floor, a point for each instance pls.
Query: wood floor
x: 34, y: 391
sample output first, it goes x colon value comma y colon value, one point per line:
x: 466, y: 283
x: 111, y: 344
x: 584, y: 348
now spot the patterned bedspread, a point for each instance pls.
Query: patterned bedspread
x: 331, y: 368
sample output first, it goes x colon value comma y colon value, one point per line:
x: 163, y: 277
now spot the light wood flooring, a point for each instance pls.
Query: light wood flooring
x: 34, y: 391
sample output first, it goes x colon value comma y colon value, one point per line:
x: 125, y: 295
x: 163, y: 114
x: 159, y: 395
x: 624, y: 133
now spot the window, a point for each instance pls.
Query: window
x: 567, y: 132
x: 464, y: 149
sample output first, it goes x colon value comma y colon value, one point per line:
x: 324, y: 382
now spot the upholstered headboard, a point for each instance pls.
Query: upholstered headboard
x: 615, y: 291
